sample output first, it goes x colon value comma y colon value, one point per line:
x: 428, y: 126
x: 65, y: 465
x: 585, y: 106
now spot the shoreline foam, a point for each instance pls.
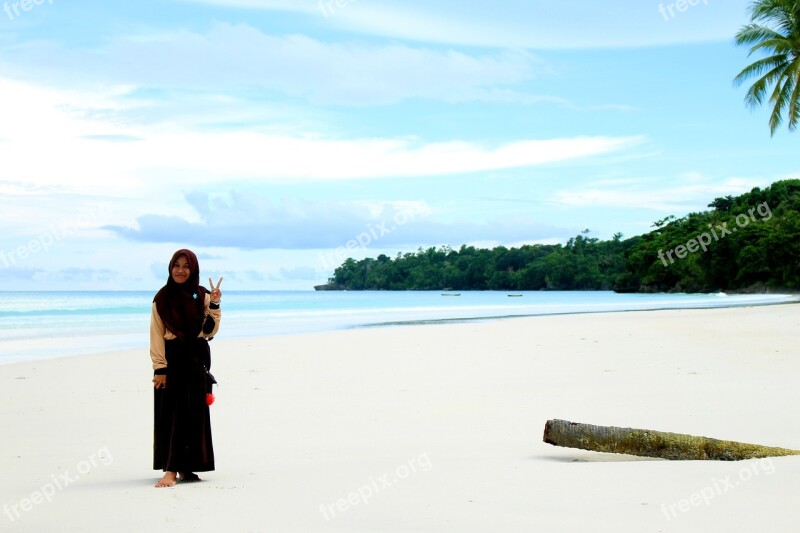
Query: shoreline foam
x: 102, y: 333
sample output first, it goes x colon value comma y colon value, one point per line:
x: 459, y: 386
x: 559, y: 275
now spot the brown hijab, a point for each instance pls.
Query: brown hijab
x: 181, y: 306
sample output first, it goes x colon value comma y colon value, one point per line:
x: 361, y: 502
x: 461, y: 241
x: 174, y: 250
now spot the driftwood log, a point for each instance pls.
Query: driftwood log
x: 650, y: 443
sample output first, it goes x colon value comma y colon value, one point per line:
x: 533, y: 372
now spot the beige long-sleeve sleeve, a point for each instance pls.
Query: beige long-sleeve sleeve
x: 159, y: 333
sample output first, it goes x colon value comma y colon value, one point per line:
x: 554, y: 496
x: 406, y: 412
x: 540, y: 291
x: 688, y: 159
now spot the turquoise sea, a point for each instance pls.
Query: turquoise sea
x: 36, y: 325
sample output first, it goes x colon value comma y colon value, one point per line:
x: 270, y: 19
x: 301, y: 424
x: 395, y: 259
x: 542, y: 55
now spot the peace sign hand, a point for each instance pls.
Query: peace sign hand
x: 216, y: 294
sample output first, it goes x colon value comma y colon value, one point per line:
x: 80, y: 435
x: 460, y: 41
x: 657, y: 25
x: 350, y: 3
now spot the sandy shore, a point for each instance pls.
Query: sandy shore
x: 423, y: 428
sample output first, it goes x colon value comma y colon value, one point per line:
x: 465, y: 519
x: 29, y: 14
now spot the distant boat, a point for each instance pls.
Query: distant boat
x: 451, y: 294
x: 513, y: 295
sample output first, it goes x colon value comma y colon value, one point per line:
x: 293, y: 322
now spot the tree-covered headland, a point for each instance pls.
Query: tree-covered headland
x: 745, y: 243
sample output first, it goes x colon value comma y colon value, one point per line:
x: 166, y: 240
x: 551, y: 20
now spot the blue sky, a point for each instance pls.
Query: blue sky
x: 272, y: 135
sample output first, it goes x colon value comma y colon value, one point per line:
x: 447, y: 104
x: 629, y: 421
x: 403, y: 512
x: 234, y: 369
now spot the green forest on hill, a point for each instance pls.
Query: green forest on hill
x: 745, y: 243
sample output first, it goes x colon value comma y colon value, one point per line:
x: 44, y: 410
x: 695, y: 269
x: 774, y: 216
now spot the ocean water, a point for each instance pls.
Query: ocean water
x: 37, y: 325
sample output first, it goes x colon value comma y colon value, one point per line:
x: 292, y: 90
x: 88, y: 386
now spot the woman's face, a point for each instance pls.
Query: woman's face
x: 181, y: 270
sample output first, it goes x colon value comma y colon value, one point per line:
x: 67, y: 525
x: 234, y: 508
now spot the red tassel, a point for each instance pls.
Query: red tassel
x: 209, y: 398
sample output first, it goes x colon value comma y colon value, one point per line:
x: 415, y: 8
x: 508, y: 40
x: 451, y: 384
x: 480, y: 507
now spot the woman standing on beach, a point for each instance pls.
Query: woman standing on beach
x: 184, y: 318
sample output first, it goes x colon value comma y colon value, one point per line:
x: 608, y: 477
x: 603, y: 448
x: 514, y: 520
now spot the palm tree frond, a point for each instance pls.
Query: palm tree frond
x: 774, y: 29
x: 779, y: 97
x: 755, y: 94
x: 753, y: 33
x: 780, y: 46
x: 759, y: 67
x: 794, y: 100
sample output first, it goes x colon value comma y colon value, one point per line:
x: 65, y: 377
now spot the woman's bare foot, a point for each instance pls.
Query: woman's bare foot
x: 169, y: 480
x: 188, y: 477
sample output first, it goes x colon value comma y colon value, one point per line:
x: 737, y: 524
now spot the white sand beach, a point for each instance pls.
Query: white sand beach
x: 423, y: 428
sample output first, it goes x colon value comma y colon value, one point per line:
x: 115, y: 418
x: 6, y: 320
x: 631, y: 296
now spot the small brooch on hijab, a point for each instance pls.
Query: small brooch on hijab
x: 194, y: 296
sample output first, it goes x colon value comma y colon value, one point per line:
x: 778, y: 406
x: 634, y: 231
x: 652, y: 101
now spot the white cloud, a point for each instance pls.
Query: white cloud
x: 271, y: 5
x: 692, y: 191
x: 240, y: 56
x: 50, y: 142
x: 249, y: 221
x: 509, y: 96
x: 541, y: 24
x: 297, y: 273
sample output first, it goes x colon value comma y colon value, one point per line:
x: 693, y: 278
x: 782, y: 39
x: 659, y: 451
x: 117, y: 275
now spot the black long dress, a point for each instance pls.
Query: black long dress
x: 182, y: 433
